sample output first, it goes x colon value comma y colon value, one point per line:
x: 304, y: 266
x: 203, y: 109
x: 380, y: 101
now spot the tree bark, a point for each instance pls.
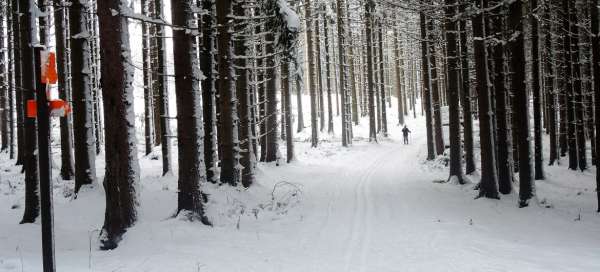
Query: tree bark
x: 453, y: 65
x: 190, y: 131
x: 30, y: 158
x: 465, y: 94
x: 426, y: 85
x: 66, y: 151
x: 122, y: 168
x: 83, y: 117
x: 520, y: 108
x: 369, y: 9
x: 228, y: 147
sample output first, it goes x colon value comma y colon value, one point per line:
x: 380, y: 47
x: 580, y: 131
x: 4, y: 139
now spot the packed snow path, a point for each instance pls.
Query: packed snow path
x: 371, y: 207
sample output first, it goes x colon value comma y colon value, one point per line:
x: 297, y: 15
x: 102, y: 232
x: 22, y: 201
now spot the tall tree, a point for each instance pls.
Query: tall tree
x: 549, y: 86
x: 208, y: 89
x: 4, y: 140
x: 520, y: 108
x: 312, y: 74
x: 61, y: 31
x: 243, y: 95
x: 488, y: 186
x: 190, y: 131
x: 160, y: 88
x: 435, y: 89
x: 537, y: 94
x: 147, y: 64
x: 426, y: 85
x: 122, y: 175
x: 453, y: 91
x: 369, y: 9
x: 83, y: 116
x: 504, y: 141
x: 28, y: 38
x: 465, y: 93
x: 228, y: 147
x: 595, y: 28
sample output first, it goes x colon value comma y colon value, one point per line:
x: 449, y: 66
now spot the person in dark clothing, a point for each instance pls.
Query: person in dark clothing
x: 405, y: 132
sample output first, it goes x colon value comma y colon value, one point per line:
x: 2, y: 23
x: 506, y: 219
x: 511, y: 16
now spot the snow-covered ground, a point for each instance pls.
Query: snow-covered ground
x: 370, y: 207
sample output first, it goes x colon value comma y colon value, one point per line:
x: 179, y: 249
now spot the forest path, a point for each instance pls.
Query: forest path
x: 382, y: 209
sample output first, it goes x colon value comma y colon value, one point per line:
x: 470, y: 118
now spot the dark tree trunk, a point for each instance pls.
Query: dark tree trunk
x: 190, y: 131
x: 595, y: 14
x: 271, y: 102
x: 577, y: 103
x: 549, y: 76
x: 83, y: 117
x: 453, y: 65
x: 228, y: 146
x: 399, y: 77
x: 319, y: 71
x: 66, y: 151
x: 161, y: 90
x: 328, y: 78
x: 122, y: 168
x: 30, y: 157
x: 4, y: 140
x: 488, y: 186
x: 435, y: 92
x: 520, y: 107
x: 147, y: 66
x: 384, y: 128
x: 426, y: 85
x: 504, y: 142
x: 568, y: 90
x: 243, y: 96
x: 312, y: 74
x: 465, y: 95
x: 369, y: 9
x: 13, y: 66
x: 17, y: 53
x: 208, y: 90
x: 537, y: 94
x: 287, y: 109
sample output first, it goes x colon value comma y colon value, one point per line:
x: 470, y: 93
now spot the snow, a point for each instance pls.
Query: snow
x: 370, y: 207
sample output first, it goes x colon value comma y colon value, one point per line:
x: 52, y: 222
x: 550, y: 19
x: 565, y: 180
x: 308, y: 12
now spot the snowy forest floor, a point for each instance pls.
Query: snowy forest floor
x: 371, y: 207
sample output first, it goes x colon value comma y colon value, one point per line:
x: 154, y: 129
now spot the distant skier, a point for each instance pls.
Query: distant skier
x: 405, y: 132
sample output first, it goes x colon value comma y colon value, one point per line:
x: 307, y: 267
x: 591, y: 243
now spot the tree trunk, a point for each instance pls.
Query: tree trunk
x: 537, y: 94
x: 426, y: 85
x: 312, y: 74
x: 465, y: 95
x: 228, y: 147
x: 243, y: 96
x: 147, y: 66
x: 384, y: 128
x: 66, y: 151
x: 453, y: 65
x: 4, y: 141
x: 435, y: 92
x: 328, y: 78
x: 578, y: 104
x: 83, y: 117
x: 30, y: 158
x: 520, y: 107
x: 271, y: 101
x: 488, y: 186
x: 160, y: 89
x: 369, y: 9
x: 595, y: 14
x: 504, y: 142
x: 208, y: 90
x: 399, y: 77
x: 287, y: 109
x: 549, y: 76
x: 190, y: 131
x: 122, y: 168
